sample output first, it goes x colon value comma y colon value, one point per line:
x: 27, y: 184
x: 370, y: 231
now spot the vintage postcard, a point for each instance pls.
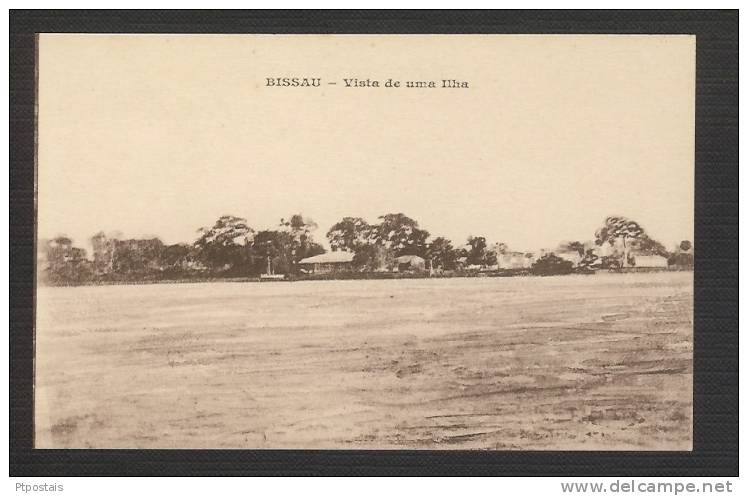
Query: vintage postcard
x: 478, y: 242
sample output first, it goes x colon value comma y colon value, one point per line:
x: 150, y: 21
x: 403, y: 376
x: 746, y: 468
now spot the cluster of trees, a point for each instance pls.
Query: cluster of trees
x: 626, y: 236
x: 228, y: 248
x: 231, y: 248
x: 376, y: 246
x: 682, y: 256
x: 65, y: 263
x: 623, y: 238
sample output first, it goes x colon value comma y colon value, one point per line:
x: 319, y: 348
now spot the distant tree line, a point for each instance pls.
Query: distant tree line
x: 231, y: 248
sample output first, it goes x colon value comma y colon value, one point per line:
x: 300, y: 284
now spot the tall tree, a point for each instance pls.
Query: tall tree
x: 180, y: 259
x: 477, y: 253
x: 65, y: 263
x: 441, y: 253
x: 350, y: 234
x: 226, y: 244
x: 103, y: 253
x: 300, y: 231
x: 491, y: 258
x: 300, y: 227
x: 682, y: 256
x: 271, y: 252
x: 590, y: 260
x: 374, y: 257
x: 401, y: 234
x: 645, y: 244
x: 619, y: 230
x: 137, y: 257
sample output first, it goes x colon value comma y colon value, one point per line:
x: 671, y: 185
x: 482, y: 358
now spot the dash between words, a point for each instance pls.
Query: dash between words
x: 314, y: 82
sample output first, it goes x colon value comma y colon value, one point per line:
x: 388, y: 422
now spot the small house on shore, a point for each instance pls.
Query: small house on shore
x: 647, y: 261
x: 515, y: 260
x: 570, y: 256
x: 334, y: 261
x: 406, y: 263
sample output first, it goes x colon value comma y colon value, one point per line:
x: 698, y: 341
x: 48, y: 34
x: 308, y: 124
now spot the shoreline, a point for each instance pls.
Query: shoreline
x: 354, y: 276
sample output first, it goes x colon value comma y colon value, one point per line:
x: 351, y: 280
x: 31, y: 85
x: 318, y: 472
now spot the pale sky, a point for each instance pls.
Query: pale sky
x: 159, y: 135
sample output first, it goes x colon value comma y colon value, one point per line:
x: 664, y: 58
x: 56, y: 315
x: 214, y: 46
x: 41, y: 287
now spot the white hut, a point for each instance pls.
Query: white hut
x: 410, y: 262
x: 650, y: 261
x: 334, y: 261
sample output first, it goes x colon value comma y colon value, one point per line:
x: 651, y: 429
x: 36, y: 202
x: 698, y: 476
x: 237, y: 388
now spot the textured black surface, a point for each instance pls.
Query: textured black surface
x: 716, y: 248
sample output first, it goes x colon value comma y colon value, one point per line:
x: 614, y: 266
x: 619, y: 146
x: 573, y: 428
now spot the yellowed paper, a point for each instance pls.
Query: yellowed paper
x: 560, y: 169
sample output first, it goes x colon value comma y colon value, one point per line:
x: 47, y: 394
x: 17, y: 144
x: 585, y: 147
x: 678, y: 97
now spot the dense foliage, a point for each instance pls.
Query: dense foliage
x: 231, y: 248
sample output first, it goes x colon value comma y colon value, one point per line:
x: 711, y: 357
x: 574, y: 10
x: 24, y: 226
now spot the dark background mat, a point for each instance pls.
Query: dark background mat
x: 716, y: 248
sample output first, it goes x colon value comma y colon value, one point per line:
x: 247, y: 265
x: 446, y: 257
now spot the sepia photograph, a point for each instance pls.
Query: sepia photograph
x: 365, y: 242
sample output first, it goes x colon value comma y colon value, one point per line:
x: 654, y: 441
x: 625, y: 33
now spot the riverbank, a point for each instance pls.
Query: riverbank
x: 352, y: 275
